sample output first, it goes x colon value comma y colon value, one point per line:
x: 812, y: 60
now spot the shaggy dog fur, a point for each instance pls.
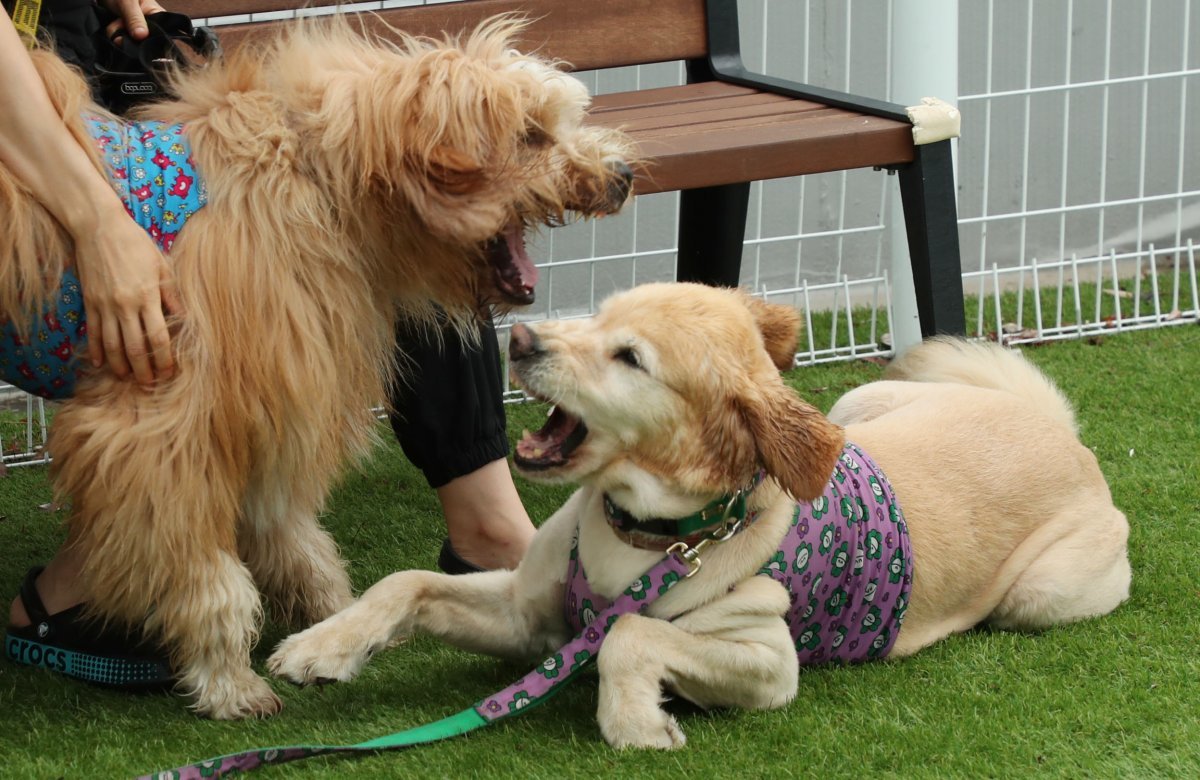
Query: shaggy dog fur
x: 677, y: 389
x: 351, y: 181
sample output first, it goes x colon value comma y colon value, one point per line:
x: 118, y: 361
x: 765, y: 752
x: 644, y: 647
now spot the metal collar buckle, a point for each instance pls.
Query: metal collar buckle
x: 691, y: 555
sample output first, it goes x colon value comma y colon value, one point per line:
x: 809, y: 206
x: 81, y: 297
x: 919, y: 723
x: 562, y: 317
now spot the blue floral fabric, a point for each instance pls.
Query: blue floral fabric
x: 150, y: 166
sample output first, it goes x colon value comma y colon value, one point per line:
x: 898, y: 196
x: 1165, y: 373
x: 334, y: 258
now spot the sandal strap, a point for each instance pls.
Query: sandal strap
x: 451, y: 562
x: 30, y: 597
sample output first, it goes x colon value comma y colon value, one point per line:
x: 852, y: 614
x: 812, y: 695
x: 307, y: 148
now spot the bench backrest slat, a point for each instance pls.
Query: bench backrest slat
x: 589, y: 34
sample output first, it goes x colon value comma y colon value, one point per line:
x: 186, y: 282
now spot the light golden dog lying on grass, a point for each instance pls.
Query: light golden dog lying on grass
x: 349, y: 182
x: 671, y: 399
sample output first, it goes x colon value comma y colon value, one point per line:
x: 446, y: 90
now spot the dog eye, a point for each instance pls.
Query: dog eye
x: 627, y: 356
x: 535, y: 138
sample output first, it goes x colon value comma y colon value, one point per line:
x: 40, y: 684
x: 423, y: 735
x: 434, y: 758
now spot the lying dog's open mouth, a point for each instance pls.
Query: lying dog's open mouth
x: 550, y: 447
x: 515, y: 273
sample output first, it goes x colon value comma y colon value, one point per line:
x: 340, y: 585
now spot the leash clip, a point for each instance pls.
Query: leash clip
x: 691, y: 555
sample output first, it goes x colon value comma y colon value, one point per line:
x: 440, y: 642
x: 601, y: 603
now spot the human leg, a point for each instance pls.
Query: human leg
x: 448, y: 415
x: 486, y: 521
x: 58, y: 586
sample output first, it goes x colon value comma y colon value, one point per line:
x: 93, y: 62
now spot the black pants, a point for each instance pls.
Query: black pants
x: 449, y: 406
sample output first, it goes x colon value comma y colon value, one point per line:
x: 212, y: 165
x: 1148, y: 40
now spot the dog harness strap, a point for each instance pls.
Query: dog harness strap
x: 534, y: 688
x: 846, y: 562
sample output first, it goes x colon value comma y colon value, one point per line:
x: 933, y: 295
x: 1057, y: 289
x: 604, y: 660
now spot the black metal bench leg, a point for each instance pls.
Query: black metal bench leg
x: 712, y: 227
x: 712, y: 220
x: 931, y: 221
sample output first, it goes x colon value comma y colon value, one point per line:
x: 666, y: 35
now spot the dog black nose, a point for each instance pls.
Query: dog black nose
x: 522, y: 343
x: 621, y: 184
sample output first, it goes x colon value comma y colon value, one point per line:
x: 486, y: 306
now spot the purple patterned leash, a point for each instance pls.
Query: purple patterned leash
x: 532, y: 689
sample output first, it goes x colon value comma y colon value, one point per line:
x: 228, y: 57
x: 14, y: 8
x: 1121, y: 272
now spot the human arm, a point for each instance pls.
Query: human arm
x: 124, y: 276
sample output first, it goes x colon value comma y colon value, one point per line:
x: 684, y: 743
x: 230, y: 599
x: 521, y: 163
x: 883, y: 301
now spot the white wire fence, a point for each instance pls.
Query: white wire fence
x: 1083, y: 297
x: 1078, y: 174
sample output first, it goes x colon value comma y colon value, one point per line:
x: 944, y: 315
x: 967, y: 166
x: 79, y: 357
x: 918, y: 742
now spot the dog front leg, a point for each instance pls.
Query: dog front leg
x: 732, y: 653
x: 509, y: 613
x: 479, y: 612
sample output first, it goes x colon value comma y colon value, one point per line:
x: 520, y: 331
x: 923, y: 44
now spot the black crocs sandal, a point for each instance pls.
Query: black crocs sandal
x: 73, y: 645
x: 451, y: 562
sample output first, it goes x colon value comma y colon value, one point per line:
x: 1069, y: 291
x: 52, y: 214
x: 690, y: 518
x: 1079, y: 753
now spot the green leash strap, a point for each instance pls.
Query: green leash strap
x: 544, y: 681
x: 456, y: 724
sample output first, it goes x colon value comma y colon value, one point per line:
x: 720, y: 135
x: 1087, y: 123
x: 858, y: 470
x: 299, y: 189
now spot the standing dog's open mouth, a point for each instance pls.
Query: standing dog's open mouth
x: 515, y: 274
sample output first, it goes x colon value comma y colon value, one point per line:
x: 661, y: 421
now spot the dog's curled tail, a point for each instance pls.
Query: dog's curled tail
x: 983, y: 364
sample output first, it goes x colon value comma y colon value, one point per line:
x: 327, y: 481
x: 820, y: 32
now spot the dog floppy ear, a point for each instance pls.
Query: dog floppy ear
x: 780, y: 328
x: 796, y: 444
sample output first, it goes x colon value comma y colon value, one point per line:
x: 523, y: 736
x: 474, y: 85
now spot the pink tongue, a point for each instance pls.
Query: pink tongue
x: 526, y: 273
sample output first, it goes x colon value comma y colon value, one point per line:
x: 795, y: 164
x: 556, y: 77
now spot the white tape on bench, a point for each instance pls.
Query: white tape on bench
x: 934, y: 120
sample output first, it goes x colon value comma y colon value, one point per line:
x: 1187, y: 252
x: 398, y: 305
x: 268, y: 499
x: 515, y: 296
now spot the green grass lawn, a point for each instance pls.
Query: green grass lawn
x: 1112, y: 697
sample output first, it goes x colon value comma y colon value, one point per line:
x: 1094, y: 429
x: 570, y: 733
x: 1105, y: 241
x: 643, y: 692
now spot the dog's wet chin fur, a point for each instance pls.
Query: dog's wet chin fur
x: 350, y: 181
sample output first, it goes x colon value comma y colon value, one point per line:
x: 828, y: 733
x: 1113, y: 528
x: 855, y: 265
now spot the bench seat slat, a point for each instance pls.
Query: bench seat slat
x: 684, y: 103
x: 702, y: 135
x: 689, y: 114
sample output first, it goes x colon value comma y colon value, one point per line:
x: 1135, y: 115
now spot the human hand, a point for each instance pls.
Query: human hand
x: 133, y: 16
x: 126, y: 294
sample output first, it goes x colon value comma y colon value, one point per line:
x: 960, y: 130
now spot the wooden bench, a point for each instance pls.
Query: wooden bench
x: 713, y: 136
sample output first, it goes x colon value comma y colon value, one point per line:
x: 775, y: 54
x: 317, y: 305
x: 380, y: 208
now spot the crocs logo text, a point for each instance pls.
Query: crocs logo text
x: 33, y: 654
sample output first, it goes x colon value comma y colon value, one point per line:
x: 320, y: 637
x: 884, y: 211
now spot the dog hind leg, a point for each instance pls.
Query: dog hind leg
x: 1084, y: 574
x: 873, y: 400
x: 294, y: 561
x: 154, y: 504
x: 1075, y: 566
x: 210, y: 621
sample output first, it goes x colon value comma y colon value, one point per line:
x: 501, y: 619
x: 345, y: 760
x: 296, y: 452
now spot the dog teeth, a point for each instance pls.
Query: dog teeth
x: 551, y: 412
x: 525, y: 434
x: 538, y: 452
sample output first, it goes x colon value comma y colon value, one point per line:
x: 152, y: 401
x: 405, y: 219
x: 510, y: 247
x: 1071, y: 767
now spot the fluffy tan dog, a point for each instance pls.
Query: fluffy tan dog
x: 670, y: 399
x: 350, y: 182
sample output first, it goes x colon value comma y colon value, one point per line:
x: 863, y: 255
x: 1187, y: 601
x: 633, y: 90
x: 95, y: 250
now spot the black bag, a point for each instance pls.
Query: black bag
x: 129, y: 72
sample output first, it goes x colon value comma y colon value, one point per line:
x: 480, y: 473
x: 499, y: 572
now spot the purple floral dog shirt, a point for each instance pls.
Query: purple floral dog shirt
x: 846, y: 560
x: 150, y: 166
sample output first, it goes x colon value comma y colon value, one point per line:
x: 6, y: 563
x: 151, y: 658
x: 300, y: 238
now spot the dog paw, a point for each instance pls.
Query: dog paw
x: 658, y: 731
x: 319, y: 655
x: 240, y: 696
